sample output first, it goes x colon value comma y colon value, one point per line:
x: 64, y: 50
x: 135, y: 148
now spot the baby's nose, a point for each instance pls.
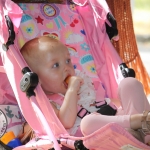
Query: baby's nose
x: 66, y: 68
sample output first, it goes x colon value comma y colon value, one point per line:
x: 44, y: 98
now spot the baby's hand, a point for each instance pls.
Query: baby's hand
x: 74, y: 83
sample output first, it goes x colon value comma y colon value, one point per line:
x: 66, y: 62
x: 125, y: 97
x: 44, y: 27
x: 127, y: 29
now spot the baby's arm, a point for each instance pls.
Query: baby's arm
x: 68, y: 111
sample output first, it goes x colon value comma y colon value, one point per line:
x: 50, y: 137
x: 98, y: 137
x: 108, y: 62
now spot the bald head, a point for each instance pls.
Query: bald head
x: 51, y: 61
x: 35, y: 50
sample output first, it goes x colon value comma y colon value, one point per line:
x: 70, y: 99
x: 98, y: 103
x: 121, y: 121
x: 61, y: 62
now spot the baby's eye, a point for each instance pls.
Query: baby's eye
x: 56, y: 65
x: 68, y: 61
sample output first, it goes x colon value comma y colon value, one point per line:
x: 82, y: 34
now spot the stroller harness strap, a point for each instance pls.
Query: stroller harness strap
x: 106, y: 107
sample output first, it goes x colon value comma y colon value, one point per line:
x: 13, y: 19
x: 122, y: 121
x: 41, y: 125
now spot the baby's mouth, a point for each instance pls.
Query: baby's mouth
x: 66, y: 85
x: 66, y: 81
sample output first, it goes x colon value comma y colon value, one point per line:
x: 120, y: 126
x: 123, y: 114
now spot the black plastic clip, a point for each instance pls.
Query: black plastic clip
x: 126, y: 72
x: 11, y: 31
x: 28, y: 82
x: 111, y: 31
x: 79, y: 145
x: 82, y: 113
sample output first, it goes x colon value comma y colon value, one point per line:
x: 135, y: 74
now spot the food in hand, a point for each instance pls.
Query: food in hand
x: 67, y: 79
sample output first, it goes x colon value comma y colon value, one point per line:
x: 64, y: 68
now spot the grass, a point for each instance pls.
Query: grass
x: 142, y: 4
x: 141, y: 16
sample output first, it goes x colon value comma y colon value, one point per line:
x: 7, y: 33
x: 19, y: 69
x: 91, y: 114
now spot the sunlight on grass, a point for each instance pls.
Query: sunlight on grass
x: 142, y: 4
x: 141, y: 16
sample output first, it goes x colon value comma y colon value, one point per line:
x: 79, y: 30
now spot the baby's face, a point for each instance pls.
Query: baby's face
x: 54, y: 67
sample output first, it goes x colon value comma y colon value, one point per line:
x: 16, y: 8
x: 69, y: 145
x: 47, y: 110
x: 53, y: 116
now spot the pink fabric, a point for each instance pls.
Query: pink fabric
x: 6, y: 93
x: 132, y: 97
x: 7, y: 7
x: 113, y: 137
x: 102, y: 6
x: 105, y: 56
x: 133, y: 101
x: 2, y: 69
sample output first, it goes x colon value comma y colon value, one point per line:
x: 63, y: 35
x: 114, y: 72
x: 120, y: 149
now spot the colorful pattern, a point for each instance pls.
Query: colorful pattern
x: 89, y: 67
x: 65, y: 25
x: 11, y: 119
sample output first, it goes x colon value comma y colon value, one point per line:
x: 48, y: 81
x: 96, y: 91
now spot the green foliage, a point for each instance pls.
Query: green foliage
x: 142, y: 4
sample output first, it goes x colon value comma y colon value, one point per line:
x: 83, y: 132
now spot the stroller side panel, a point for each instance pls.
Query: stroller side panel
x: 102, y: 49
x: 114, y: 137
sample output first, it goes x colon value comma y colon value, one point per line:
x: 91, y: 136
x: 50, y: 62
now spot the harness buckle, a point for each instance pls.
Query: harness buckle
x: 82, y: 112
x: 100, y: 104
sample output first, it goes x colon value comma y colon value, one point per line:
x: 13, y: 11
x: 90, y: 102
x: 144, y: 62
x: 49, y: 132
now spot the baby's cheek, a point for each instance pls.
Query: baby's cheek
x: 73, y: 72
x: 43, y: 88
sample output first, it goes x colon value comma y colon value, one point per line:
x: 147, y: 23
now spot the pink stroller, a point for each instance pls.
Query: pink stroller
x: 86, y: 28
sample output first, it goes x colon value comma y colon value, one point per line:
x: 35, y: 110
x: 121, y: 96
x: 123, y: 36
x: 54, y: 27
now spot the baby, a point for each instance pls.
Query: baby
x: 51, y: 61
